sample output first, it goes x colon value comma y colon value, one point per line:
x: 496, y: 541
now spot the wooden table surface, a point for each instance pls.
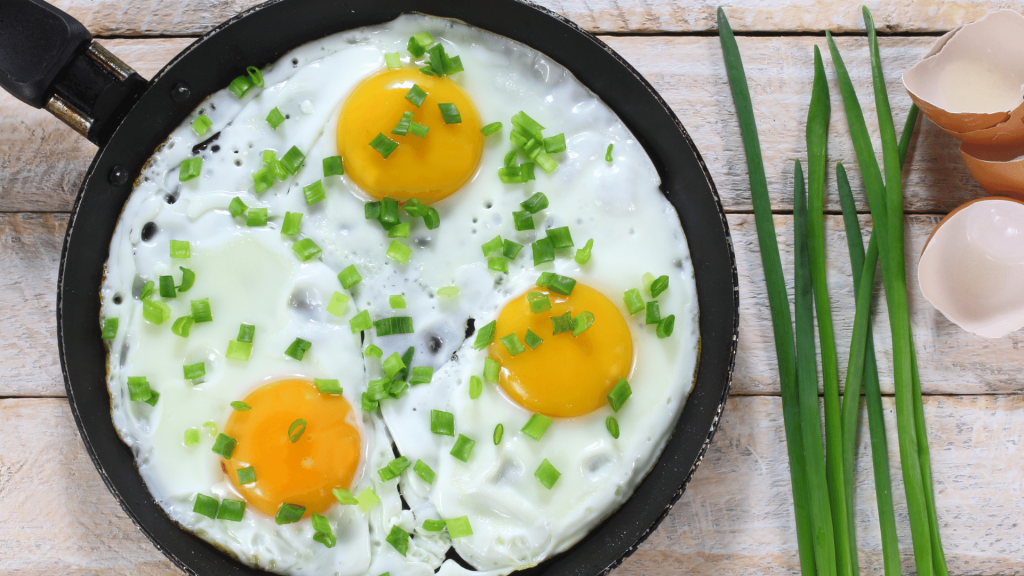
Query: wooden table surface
x: 56, y: 516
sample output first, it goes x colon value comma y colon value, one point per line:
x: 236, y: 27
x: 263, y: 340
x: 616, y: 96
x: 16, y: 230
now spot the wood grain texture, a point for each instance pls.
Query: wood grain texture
x: 42, y: 162
x: 56, y: 517
x: 951, y: 361
x: 194, y: 17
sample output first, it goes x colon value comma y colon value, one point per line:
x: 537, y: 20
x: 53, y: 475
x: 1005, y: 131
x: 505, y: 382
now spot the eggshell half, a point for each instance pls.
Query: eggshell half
x: 972, y: 267
x: 999, y: 170
x: 971, y: 81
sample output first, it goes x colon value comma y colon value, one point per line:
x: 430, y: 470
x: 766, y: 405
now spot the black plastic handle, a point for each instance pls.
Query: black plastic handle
x: 49, y: 60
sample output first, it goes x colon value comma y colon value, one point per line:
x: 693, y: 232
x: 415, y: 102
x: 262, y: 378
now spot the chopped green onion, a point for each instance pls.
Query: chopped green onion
x: 554, y: 144
x: 393, y: 325
x: 476, y: 387
x: 201, y: 310
x: 333, y: 166
x: 237, y: 207
x: 323, y: 532
x: 659, y: 286
x: 182, y: 326
x: 239, y: 86
x: 296, y: 429
x: 246, y: 475
x: 298, y: 348
x: 263, y: 179
x: 417, y: 129
x: 450, y: 113
x: 512, y: 344
x: 485, y: 335
x: 206, y: 505
x: 560, y: 237
x: 292, y: 221
x: 109, y: 328
x: 327, y: 386
x: 535, y: 203
x: 432, y: 219
x: 431, y: 525
x: 523, y: 220
x: 510, y: 158
x: 400, y: 230
x: 581, y: 323
x: 240, y: 406
x: 442, y: 423
x: 490, y: 128
x: 275, y: 118
x: 383, y: 144
x: 491, y: 370
x: 224, y: 445
x: 373, y: 351
x: 256, y: 217
x: 648, y: 280
x: 499, y: 431
x: 619, y: 394
x: 543, y: 250
x: 337, y: 304
x: 393, y: 469
x: 443, y: 64
x: 557, y: 283
x: 399, y: 539
x: 314, y: 192
x: 424, y: 471
x: 188, y: 278
x: 368, y: 499
x: 653, y: 313
x: 138, y: 389
x: 189, y: 169
x: 498, y: 264
x: 238, y: 350
x: 459, y: 527
x: 536, y: 426
x: 526, y: 171
x: 448, y: 291
x: 463, y: 447
x: 360, y: 322
x: 608, y: 153
x: 421, y: 375
x: 399, y: 252
x: 419, y: 42
x: 293, y: 160
x: 402, y: 128
x: 532, y: 340
x: 613, y: 426
x: 583, y: 254
x: 194, y: 371
x: 547, y: 474
x: 153, y: 397
x: 416, y: 95
x: 201, y: 124
x: 147, y: 290
x: 415, y: 208
x: 181, y: 249
x: 510, y: 175
x: 539, y: 302
x: 492, y: 246
x: 561, y: 324
x: 388, y: 213
x: 349, y: 277
x: 393, y: 365
x: 510, y: 249
x: 191, y: 437
x: 665, y: 326
x: 522, y: 122
x: 306, y: 249
x: 289, y: 513
x: 255, y: 75
x: 167, y: 287
x: 393, y: 60
x: 344, y: 497
x: 269, y: 156
x: 155, y: 311
x: 634, y: 301
x: 211, y: 427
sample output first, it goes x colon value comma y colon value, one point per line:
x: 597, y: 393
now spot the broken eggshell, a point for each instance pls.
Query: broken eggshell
x: 999, y: 169
x: 971, y: 81
x: 972, y: 267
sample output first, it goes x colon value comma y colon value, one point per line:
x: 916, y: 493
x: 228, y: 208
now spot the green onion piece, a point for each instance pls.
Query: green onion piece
x: 314, y: 192
x: 369, y: 404
x: 539, y: 302
x: 246, y: 475
x: 557, y: 283
x: 337, y: 304
x: 373, y: 351
x: 400, y: 230
x: 523, y: 220
x: 147, y: 290
x: 194, y: 371
x: 416, y: 95
x: 659, y: 286
x: 167, y: 287
x: 269, y: 156
x: 619, y: 394
x: 522, y: 122
x: 206, y: 506
x: 289, y: 513
x: 499, y: 431
x: 327, y: 386
x: 153, y: 398
x: 191, y: 437
x: 181, y: 249
x: 427, y: 70
x: 512, y: 344
x: 560, y: 237
x: 201, y: 310
x: 240, y: 406
x: 292, y: 160
x: 415, y: 208
x: 417, y: 129
x: 498, y: 264
x: 431, y: 525
x: 182, y: 326
x: 333, y: 166
x: 306, y: 249
x: 634, y: 301
x: 419, y: 43
x: 291, y: 224
x: 536, y: 426
x: 239, y: 86
x: 211, y: 427
x: 653, y: 313
x: 476, y: 387
x: 237, y: 207
x: 608, y: 153
x: 188, y: 278
x: 393, y: 325
x: 344, y: 497
x: 383, y: 144
x: 526, y: 171
x: 393, y: 469
x: 583, y: 254
x: 648, y: 280
x: 450, y: 113
x: 349, y: 277
x: 546, y: 162
x: 492, y: 247
x: 396, y: 388
x: 554, y: 144
x: 298, y: 348
x: 368, y: 499
x: 561, y: 324
x: 256, y: 217
x: 448, y: 291
x: 491, y: 370
x: 510, y: 175
x: 388, y: 213
x: 535, y: 203
x: 421, y: 375
x: 543, y: 250
x: 532, y: 340
x: 275, y: 118
x: 442, y: 423
x: 547, y: 474
x: 665, y: 326
x: 255, y: 75
x: 463, y: 447
x: 393, y: 365
x: 402, y: 128
x: 201, y: 124
x: 399, y: 252
x: 490, y: 128
x: 510, y: 249
x: 581, y: 323
x: 371, y: 210
x: 323, y: 532
x: 224, y: 445
x: 238, y: 350
x: 399, y: 539
x: 189, y: 169
x: 155, y: 311
x: 296, y: 429
x: 485, y: 335
x: 459, y: 527
x: 109, y: 328
x: 510, y: 158
x: 138, y: 389
x: 393, y: 60
x: 613, y: 426
x: 263, y: 179
x: 360, y: 322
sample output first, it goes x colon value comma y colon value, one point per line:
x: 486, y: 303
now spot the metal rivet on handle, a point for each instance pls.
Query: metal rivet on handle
x: 118, y: 176
x: 181, y: 92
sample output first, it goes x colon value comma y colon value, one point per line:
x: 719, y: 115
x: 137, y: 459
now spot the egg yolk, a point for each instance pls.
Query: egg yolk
x: 324, y: 457
x: 564, y: 376
x: 427, y: 169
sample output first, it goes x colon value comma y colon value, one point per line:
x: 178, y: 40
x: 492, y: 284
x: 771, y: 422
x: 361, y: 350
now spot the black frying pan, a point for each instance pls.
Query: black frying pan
x: 47, y: 59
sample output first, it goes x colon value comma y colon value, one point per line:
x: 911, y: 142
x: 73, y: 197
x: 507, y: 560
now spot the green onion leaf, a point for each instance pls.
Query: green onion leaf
x: 539, y: 302
x: 417, y: 129
x: 554, y: 144
x: 323, y: 532
x: 499, y: 431
x: 393, y: 365
x: 485, y: 335
x: 256, y: 217
x: 182, y: 326
x: 393, y: 60
x: 536, y: 426
x: 190, y: 169
x: 510, y: 158
x: 314, y: 192
x: 399, y: 252
x: 393, y: 469
x: 147, y: 290
x: 201, y: 310
x: 188, y: 278
x: 532, y: 340
x: 490, y: 128
x: 608, y: 153
x: 613, y: 426
x: 510, y: 175
x: 448, y: 291
x: 383, y: 144
x: 476, y: 387
x: 510, y: 249
x: 424, y: 471
x: 263, y: 179
x: 371, y: 210
x: 583, y: 254
x: 240, y: 406
x: 556, y: 283
x: 388, y: 213
x: 180, y: 249
x: 459, y: 527
x: 368, y: 499
x: 246, y: 475
x: 349, y: 277
x: 665, y: 326
x: 431, y: 525
x: 619, y: 394
x: 561, y: 324
x: 289, y: 513
x: 201, y: 124
x: 360, y: 322
x: 463, y: 447
x: 416, y: 95
x: 238, y: 350
x: 211, y: 427
x: 239, y: 86
x: 442, y: 423
x: 560, y: 237
x: 492, y: 247
x: 634, y: 301
x: 298, y: 348
x: 275, y: 118
x: 498, y: 264
x: 337, y: 304
x: 653, y: 313
x: 191, y: 437
x: 224, y: 445
x: 543, y: 250
x: 296, y: 429
x: 167, y: 287
x: 402, y: 128
x: 291, y: 224
x: 206, y: 506
x: 138, y: 389
x: 659, y: 286
x: 237, y: 207
x: 255, y: 75
x: 421, y: 375
x: 547, y: 474
x: 419, y: 43
x: 373, y: 351
x: 109, y: 328
x: 155, y: 311
x: 306, y: 249
x: 581, y: 323
x: 512, y: 344
x: 522, y: 122
x: 526, y: 171
x: 491, y: 370
x: 292, y: 160
x: 535, y: 203
x: 524, y: 221
x: 344, y: 497
x: 333, y: 166
x: 194, y: 371
x: 327, y: 386
x: 399, y: 539
x: 450, y: 113
x: 393, y: 325
x: 400, y: 230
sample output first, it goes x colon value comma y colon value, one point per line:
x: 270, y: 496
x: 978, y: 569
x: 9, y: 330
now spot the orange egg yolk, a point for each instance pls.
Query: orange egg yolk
x: 427, y: 169
x: 564, y: 376
x: 325, y: 456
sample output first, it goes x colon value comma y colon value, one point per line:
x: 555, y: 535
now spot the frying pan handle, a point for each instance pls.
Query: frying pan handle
x: 49, y: 60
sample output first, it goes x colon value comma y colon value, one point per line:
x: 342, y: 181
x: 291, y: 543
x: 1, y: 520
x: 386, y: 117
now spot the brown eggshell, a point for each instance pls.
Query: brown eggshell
x: 999, y: 170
